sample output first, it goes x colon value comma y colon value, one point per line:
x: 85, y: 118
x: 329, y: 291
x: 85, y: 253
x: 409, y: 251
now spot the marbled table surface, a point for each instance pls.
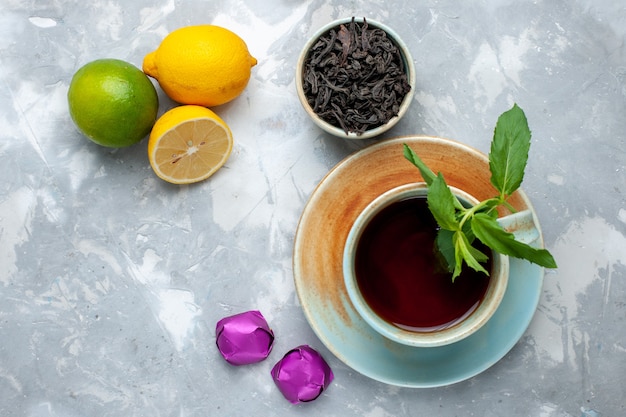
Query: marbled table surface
x: 111, y: 281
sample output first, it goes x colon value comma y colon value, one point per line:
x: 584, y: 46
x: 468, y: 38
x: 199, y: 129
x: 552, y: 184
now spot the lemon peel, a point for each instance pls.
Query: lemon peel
x: 205, y: 65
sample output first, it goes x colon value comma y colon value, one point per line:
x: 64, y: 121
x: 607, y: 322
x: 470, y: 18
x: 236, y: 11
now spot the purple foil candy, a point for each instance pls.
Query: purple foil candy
x: 302, y: 374
x: 244, y: 338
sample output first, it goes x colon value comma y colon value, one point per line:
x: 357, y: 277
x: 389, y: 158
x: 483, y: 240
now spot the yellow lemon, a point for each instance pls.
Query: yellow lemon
x: 188, y: 144
x: 112, y: 102
x: 205, y: 65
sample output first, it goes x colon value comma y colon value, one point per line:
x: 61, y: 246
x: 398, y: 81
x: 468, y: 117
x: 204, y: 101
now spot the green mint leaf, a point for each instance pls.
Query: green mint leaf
x: 488, y: 231
x: 479, y: 256
x: 412, y: 157
x: 509, y: 151
x: 445, y: 249
x: 464, y: 252
x: 458, y: 255
x: 441, y: 203
x: 470, y: 237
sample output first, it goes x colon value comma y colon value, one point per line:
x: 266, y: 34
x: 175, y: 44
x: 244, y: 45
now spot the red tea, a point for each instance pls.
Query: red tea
x: 398, y: 274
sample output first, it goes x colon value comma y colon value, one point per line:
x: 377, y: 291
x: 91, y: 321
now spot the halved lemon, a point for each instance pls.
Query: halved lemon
x: 189, y: 144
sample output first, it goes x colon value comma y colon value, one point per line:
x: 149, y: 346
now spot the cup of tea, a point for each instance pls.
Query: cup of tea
x: 396, y: 281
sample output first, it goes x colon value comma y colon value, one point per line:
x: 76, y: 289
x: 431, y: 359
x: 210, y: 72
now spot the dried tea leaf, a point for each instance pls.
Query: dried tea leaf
x: 345, y: 38
x: 354, y: 78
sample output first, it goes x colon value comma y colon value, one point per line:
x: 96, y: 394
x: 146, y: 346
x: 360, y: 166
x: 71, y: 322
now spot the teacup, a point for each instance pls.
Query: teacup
x: 436, y: 318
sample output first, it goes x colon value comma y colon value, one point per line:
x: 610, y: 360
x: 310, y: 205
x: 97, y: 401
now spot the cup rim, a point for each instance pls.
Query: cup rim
x: 409, y: 68
x: 467, y: 326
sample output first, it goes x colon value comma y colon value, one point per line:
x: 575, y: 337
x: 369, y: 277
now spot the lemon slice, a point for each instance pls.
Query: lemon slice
x: 189, y: 144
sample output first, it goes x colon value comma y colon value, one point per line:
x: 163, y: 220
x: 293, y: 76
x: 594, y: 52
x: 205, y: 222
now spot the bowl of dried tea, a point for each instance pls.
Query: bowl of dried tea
x: 355, y: 78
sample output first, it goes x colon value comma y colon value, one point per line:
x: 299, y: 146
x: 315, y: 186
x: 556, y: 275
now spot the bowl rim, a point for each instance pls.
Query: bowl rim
x: 445, y: 336
x: 409, y: 68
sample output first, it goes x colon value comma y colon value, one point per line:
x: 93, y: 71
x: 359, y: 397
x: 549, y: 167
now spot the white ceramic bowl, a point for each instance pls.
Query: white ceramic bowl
x: 408, y: 66
x: 475, y: 320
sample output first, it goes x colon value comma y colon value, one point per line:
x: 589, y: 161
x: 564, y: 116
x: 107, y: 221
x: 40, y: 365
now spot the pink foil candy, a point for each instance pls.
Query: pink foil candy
x: 302, y: 374
x: 244, y: 338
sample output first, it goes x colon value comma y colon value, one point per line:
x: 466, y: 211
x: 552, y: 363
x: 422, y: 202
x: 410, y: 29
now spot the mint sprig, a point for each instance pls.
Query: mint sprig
x: 460, y: 226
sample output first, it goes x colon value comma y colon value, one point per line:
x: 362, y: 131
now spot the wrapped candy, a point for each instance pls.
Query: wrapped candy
x: 244, y: 338
x: 302, y: 374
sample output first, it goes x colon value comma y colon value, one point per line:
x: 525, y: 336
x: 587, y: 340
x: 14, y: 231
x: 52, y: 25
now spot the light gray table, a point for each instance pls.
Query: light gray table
x: 111, y: 281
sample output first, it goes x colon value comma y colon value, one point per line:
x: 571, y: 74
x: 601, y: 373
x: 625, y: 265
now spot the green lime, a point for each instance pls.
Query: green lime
x: 112, y: 102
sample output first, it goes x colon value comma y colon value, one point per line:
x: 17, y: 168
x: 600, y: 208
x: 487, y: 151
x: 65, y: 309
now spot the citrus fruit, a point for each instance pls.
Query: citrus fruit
x: 112, y: 102
x: 205, y: 65
x: 188, y: 144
